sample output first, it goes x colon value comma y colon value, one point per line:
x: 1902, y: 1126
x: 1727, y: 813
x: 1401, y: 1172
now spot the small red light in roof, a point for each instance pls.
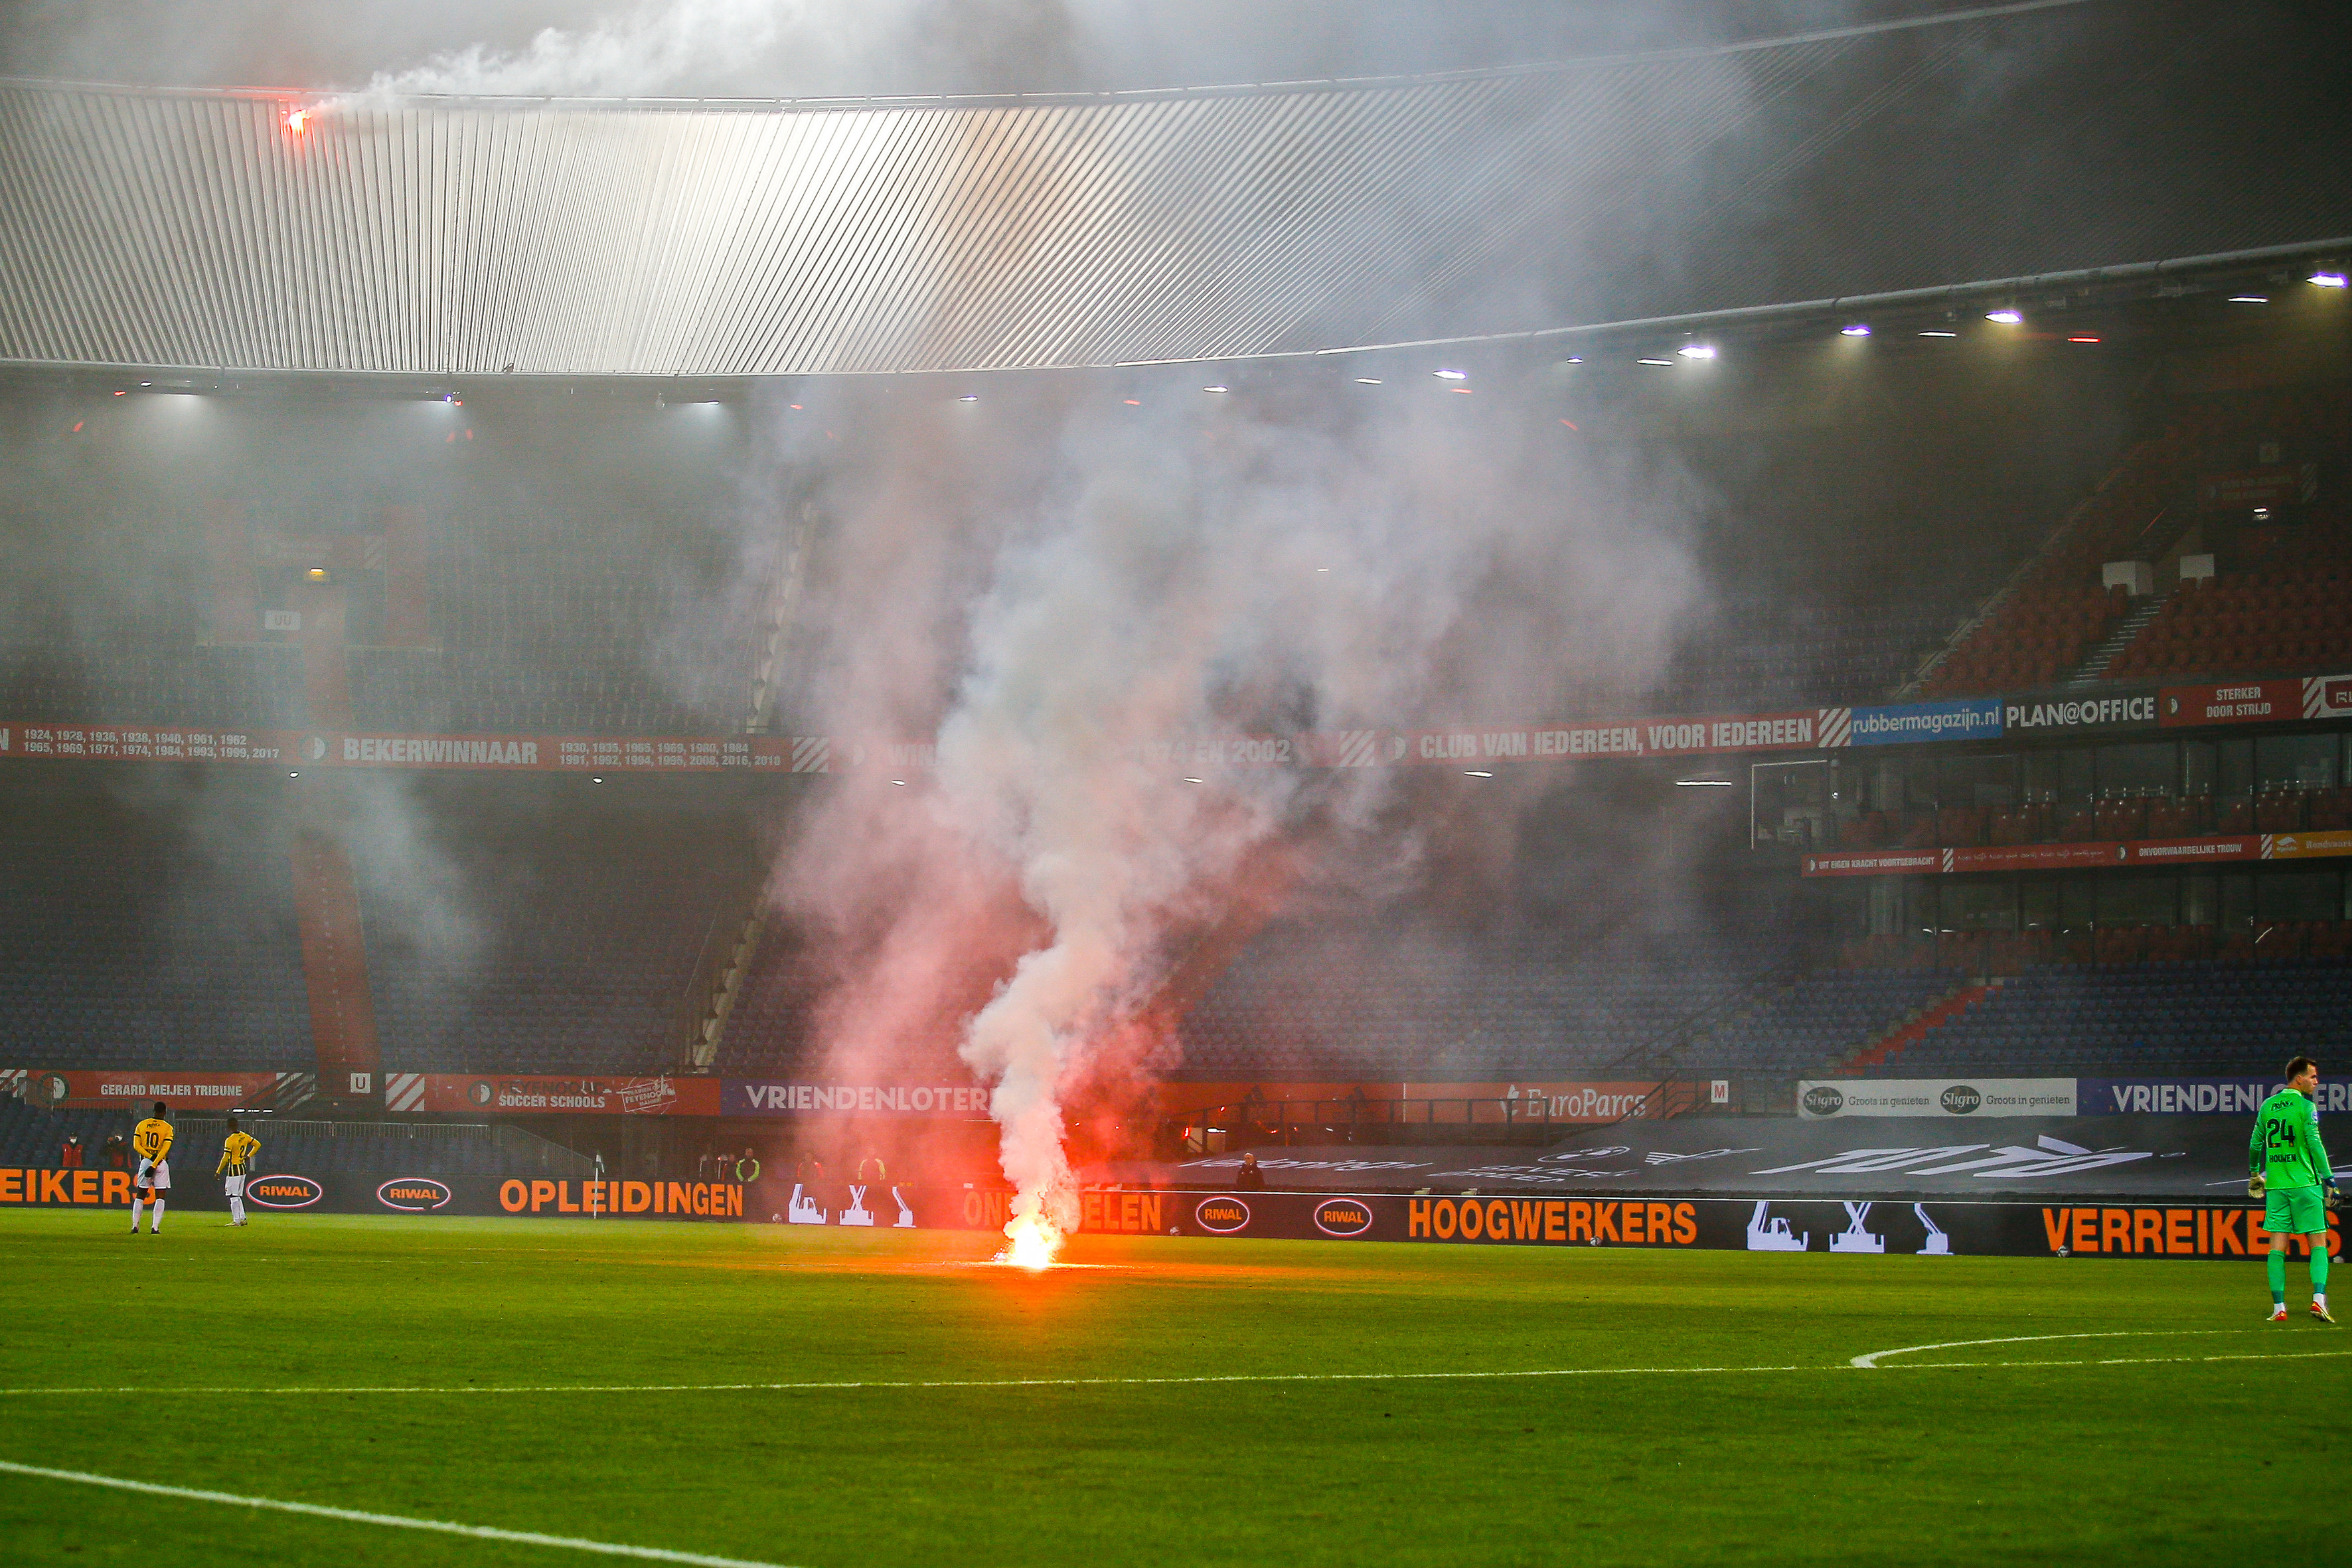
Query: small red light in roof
x: 2082, y: 340
x: 76, y: 426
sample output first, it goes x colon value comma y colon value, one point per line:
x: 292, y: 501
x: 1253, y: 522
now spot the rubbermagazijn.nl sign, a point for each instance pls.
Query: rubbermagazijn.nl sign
x: 1895, y: 723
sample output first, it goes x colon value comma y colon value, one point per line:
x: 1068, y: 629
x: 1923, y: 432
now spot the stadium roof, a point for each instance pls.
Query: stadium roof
x: 192, y: 229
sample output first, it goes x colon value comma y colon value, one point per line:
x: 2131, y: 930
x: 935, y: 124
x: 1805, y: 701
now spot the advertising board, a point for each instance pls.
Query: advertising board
x: 739, y: 1097
x: 2079, y: 715
x: 1820, y: 1099
x: 1868, y: 1226
x: 2306, y: 846
x: 1896, y: 723
x: 78, y: 1089
x: 1930, y: 1227
x: 508, y: 1094
x: 2236, y: 702
x: 1963, y: 859
x: 1571, y: 1101
x: 2194, y: 1096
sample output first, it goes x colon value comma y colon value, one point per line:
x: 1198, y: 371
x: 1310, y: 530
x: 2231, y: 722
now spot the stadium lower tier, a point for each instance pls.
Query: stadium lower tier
x: 2186, y: 1018
x: 147, y: 928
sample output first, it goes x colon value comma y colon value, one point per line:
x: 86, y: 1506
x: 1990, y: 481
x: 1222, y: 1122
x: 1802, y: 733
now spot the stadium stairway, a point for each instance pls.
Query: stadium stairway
x: 1918, y: 1027
x: 2122, y: 634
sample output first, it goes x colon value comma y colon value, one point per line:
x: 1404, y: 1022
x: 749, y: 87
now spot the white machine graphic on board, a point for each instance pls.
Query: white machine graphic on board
x: 802, y: 1209
x: 1939, y: 1244
x: 1857, y: 1237
x: 856, y: 1213
x: 1766, y: 1234
x: 906, y: 1213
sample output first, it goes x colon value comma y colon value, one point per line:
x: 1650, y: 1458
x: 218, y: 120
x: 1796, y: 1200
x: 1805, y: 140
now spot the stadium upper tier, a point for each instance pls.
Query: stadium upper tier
x: 392, y: 565
x: 2220, y: 548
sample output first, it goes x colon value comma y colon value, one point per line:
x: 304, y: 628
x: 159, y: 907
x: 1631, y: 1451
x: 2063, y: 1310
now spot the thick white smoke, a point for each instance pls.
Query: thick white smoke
x: 650, y: 50
x: 1065, y: 594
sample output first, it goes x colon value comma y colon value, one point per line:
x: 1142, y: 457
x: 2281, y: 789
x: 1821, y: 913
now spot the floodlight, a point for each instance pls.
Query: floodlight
x: 2005, y: 316
x: 1857, y: 331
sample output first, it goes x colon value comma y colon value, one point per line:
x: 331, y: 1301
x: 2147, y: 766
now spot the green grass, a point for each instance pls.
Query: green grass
x: 2151, y: 1462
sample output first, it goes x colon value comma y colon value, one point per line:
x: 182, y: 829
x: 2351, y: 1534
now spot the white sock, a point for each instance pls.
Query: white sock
x: 236, y: 1210
x: 158, y: 1222
x: 138, y: 1207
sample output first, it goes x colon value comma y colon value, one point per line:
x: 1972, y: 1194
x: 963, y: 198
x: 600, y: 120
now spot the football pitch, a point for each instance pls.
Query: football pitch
x: 826, y: 1399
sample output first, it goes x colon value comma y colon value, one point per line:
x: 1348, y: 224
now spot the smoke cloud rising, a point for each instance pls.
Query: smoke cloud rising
x: 1063, y: 597
x: 649, y: 51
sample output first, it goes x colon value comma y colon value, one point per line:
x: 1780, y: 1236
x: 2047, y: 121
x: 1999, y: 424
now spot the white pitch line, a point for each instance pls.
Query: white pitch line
x: 395, y: 1521
x: 948, y: 1383
x: 1864, y: 1363
x: 2116, y: 1361
x: 1870, y: 1362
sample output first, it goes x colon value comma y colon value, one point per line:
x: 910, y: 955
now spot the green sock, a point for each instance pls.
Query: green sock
x: 2278, y: 1276
x: 2319, y: 1265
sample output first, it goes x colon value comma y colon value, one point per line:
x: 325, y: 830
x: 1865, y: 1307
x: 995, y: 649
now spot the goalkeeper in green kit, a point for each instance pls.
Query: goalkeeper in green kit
x: 2291, y: 1173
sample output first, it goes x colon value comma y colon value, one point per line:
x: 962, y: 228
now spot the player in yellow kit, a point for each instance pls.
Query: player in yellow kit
x: 152, y: 1142
x: 237, y: 1151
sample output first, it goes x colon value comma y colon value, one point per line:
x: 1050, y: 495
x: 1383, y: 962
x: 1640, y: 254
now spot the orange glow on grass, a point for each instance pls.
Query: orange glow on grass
x: 1031, y: 1242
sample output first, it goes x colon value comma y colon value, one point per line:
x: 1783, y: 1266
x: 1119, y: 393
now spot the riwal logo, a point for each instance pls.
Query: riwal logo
x: 2323, y: 695
x: 283, y: 1191
x: 412, y: 1195
x: 1223, y: 1215
x: 1343, y: 1217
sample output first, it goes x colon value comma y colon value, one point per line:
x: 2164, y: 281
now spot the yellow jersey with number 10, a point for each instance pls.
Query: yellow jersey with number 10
x: 151, y: 1138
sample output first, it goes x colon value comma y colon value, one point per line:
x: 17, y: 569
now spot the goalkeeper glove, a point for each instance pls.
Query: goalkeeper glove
x: 2335, y: 1194
x: 2255, y: 1184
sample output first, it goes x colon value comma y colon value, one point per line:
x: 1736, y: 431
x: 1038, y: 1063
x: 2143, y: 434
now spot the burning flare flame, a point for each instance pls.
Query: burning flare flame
x: 1032, y: 1242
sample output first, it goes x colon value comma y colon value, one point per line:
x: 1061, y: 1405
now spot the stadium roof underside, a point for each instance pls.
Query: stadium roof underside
x: 197, y: 229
